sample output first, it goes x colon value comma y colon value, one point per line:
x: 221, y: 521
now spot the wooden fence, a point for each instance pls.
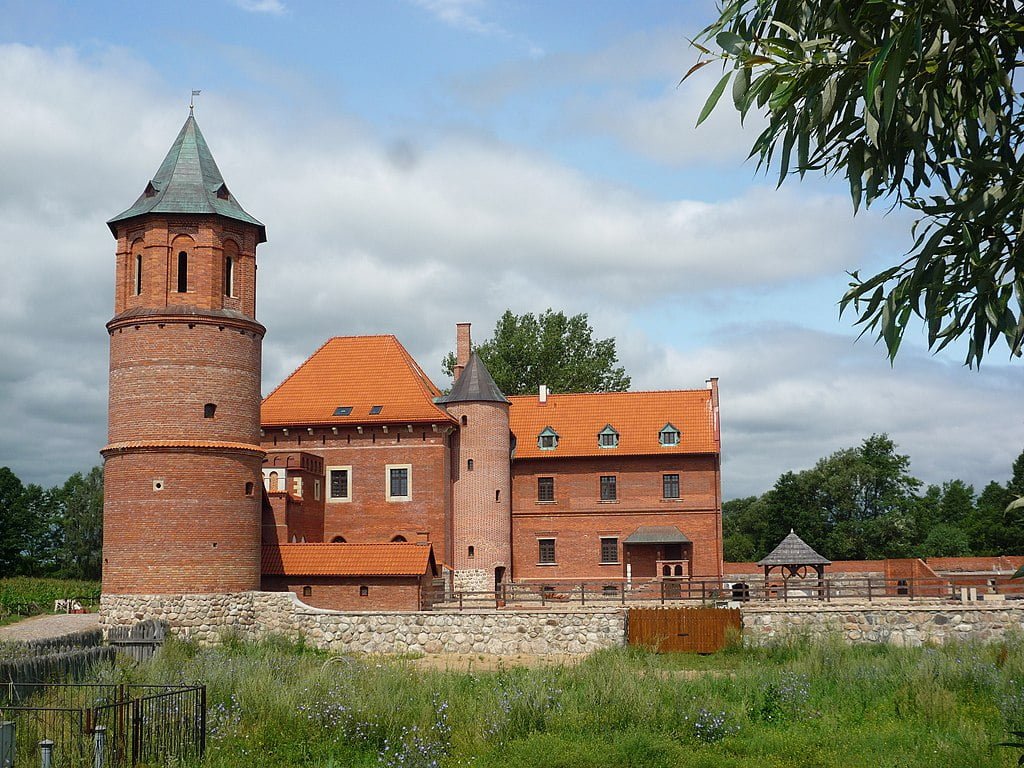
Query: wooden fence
x: 682, y: 630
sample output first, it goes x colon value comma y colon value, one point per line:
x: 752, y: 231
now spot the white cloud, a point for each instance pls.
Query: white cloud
x: 273, y: 7
x: 461, y: 14
x: 411, y: 238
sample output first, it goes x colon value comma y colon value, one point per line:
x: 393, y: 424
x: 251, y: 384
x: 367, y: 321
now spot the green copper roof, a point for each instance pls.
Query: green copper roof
x: 189, y: 181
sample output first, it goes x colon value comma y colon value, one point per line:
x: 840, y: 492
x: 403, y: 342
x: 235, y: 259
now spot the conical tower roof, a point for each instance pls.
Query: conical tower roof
x: 475, y: 385
x: 189, y: 181
x: 793, y: 550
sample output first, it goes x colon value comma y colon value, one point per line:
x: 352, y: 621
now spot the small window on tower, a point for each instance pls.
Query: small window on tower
x: 469, y: 465
x: 248, y: 489
x: 209, y: 410
x: 229, y: 276
x: 182, y: 272
x: 138, y: 274
x: 471, y: 552
x: 465, y: 420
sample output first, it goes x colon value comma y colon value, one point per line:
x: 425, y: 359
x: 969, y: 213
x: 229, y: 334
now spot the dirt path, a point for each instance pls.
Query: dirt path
x: 49, y: 627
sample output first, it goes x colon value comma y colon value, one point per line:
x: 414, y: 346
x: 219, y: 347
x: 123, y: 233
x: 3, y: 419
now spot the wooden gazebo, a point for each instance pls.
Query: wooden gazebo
x: 794, y: 559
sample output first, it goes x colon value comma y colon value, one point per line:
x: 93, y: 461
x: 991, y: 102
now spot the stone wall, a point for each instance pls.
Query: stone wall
x: 254, y: 614
x: 895, y: 623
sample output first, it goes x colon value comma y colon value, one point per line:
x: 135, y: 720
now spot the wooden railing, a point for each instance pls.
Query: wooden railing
x: 609, y: 592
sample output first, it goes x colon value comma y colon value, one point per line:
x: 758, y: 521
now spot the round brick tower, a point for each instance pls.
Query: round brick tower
x: 482, y: 480
x: 182, y: 473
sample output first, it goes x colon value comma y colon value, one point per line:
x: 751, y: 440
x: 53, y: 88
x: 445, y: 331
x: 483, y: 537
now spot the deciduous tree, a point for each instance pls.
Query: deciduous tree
x: 911, y: 102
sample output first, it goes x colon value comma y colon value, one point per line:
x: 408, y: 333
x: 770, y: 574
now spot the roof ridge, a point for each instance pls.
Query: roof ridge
x: 627, y: 392
x: 431, y: 391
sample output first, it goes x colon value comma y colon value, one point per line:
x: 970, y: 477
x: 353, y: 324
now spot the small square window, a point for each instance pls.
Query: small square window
x: 545, y: 489
x: 364, y: 591
x: 670, y: 486
x: 374, y: 410
x: 307, y: 591
x: 609, y: 491
x: 546, y: 551
x: 609, y: 549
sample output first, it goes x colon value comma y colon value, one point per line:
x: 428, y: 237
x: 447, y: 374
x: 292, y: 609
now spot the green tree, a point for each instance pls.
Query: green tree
x: 79, y: 549
x: 914, y: 102
x: 946, y: 540
x: 14, y: 523
x: 561, y: 352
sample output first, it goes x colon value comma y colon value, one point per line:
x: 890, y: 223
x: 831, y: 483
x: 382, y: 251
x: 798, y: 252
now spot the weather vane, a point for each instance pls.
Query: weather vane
x: 192, y: 101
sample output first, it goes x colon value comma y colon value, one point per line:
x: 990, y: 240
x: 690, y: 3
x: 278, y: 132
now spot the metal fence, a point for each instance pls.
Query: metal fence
x: 104, y: 726
x: 552, y: 594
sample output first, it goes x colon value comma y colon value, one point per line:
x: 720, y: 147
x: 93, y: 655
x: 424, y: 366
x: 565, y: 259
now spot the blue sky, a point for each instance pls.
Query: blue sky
x: 427, y: 162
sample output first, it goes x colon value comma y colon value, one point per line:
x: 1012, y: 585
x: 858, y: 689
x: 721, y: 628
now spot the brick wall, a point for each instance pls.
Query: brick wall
x: 368, y: 516
x: 481, y: 497
x: 577, y: 519
x: 199, y: 533
x: 342, y: 593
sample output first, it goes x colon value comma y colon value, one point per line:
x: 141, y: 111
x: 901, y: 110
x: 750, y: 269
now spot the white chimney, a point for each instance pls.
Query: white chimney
x: 542, y: 394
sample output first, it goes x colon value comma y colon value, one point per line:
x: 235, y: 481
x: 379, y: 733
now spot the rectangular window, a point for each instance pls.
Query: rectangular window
x: 138, y: 274
x: 670, y: 486
x: 545, y: 489
x: 339, y: 483
x: 399, y: 482
x: 609, y: 549
x: 608, y: 489
x: 229, y: 276
x: 546, y: 551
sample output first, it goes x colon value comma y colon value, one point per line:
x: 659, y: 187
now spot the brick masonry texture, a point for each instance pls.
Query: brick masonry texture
x: 182, y: 510
x: 205, y: 618
x: 577, y: 518
x: 482, y: 497
x: 344, y: 593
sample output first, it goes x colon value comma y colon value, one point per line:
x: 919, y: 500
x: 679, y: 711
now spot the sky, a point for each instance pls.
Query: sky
x: 419, y: 163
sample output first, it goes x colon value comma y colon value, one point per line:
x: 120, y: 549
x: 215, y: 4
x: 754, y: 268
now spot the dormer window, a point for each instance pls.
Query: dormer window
x: 668, y: 436
x: 547, y: 440
x: 150, y: 190
x: 608, y: 437
x: 222, y: 192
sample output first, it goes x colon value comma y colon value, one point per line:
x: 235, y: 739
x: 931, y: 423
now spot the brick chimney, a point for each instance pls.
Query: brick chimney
x: 463, y: 345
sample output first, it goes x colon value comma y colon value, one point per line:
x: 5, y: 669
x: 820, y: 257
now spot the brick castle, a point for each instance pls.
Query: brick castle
x: 357, y: 483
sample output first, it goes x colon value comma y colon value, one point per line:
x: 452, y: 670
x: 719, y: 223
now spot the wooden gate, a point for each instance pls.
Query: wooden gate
x: 681, y: 630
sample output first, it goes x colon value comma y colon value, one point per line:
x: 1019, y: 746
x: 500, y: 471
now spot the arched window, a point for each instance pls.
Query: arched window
x: 274, y: 477
x: 398, y: 539
x: 469, y: 465
x: 229, y: 276
x: 182, y: 272
x: 209, y: 410
x: 338, y: 540
x: 465, y: 420
x: 138, y: 274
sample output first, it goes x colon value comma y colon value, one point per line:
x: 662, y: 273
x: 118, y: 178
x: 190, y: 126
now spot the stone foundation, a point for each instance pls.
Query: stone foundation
x: 898, y: 624
x: 473, y: 580
x: 205, y: 618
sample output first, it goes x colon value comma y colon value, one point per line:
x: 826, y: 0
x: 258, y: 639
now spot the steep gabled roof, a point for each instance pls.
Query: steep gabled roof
x: 793, y: 550
x: 475, y: 385
x: 391, y: 559
x: 638, y: 417
x: 361, y: 373
x: 188, y: 181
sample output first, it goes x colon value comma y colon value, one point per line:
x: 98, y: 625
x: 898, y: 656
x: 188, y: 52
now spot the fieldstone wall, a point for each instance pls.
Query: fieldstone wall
x: 895, y: 623
x: 254, y: 614
x: 473, y: 580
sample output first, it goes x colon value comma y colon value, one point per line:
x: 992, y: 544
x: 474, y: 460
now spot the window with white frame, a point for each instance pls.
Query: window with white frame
x: 398, y: 482
x: 339, y: 483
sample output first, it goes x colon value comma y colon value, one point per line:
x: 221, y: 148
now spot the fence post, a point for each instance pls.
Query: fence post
x: 202, y: 721
x: 99, y: 740
x: 136, y: 732
x: 6, y: 744
x: 583, y: 593
x: 869, y: 589
x: 662, y: 583
x: 46, y: 753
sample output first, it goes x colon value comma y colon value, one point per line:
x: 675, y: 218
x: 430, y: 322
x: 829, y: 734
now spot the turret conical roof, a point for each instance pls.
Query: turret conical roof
x: 189, y: 181
x: 475, y: 385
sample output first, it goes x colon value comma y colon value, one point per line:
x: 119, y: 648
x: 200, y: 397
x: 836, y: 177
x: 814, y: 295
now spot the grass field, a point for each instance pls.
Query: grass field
x: 809, y: 706
x: 24, y: 595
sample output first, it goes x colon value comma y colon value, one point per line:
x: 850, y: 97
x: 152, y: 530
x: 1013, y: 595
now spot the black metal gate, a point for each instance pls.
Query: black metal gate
x: 128, y: 725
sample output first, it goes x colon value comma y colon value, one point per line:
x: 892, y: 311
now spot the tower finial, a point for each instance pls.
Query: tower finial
x: 192, y: 102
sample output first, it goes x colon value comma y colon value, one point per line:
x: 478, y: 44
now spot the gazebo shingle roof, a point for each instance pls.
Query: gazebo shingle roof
x: 793, y: 550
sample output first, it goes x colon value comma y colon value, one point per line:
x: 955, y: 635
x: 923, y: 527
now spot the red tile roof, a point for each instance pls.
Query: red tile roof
x: 357, y: 372
x: 638, y: 417
x: 385, y: 559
